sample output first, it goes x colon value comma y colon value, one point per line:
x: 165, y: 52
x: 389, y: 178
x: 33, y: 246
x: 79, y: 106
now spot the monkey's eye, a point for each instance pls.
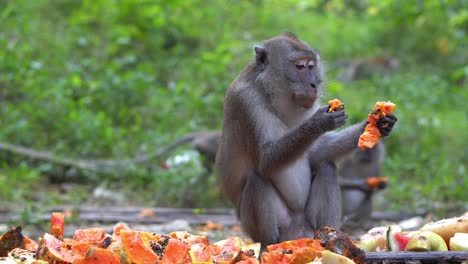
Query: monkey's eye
x: 311, y: 65
x: 300, y: 66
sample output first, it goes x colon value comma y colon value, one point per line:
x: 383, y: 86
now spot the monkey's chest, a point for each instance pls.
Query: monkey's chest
x: 293, y: 184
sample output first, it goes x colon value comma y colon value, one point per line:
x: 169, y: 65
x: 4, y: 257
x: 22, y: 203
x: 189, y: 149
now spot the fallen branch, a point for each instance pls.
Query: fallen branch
x: 417, y: 257
x: 49, y: 157
x: 92, y: 165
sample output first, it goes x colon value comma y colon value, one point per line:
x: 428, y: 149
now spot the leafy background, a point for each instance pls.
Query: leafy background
x: 111, y: 79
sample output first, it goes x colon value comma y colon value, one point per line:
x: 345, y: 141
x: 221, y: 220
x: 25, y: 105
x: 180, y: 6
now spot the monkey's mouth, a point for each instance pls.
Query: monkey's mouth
x: 304, y: 101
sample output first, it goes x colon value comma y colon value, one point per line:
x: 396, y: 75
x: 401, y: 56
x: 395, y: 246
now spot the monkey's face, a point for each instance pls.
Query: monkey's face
x: 296, y: 70
x: 291, y: 71
x: 305, y: 79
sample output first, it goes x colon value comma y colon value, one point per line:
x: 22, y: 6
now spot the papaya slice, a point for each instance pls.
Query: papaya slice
x: 119, y: 227
x: 57, y: 224
x: 93, y: 236
x: 335, y: 105
x: 371, y: 134
x: 176, y: 251
x: 119, y: 250
x: 249, y: 251
x: 29, y: 243
x: 249, y: 261
x: 79, y: 248
x: 96, y: 255
x: 200, y: 254
x: 377, y: 182
x: 229, y: 249
x: 137, y: 248
x: 190, y: 239
x: 53, y: 250
x: 302, y: 250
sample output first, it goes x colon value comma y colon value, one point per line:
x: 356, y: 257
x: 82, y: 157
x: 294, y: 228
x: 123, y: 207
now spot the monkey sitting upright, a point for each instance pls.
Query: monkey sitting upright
x: 276, y: 158
x: 353, y: 171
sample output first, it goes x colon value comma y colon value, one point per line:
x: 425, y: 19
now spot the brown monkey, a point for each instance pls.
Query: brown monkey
x: 276, y: 154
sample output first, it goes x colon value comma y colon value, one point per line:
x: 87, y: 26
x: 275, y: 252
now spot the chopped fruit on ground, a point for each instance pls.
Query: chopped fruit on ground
x: 57, y: 224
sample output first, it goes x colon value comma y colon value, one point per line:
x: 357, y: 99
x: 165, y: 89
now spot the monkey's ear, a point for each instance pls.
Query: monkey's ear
x: 260, y: 55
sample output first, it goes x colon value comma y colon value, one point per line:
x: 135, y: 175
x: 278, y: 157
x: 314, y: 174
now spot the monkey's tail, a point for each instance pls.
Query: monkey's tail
x: 166, y: 149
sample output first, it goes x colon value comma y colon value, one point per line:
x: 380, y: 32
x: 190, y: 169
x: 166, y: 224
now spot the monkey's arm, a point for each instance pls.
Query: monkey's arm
x: 277, y: 148
x: 359, y: 184
x: 335, y: 144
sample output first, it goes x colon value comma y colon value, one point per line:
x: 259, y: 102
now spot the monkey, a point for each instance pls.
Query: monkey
x: 360, y: 68
x: 278, y: 147
x: 353, y: 171
x: 205, y: 142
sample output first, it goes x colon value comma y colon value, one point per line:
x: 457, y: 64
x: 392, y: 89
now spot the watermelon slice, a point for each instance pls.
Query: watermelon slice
x: 396, y: 241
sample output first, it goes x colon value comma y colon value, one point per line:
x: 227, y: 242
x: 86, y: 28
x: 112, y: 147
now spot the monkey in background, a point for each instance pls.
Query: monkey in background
x: 354, y: 170
x: 277, y: 153
x: 365, y: 68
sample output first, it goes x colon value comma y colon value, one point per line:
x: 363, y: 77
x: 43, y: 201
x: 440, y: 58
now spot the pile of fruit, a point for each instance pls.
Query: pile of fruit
x: 125, y: 245
x: 447, y: 234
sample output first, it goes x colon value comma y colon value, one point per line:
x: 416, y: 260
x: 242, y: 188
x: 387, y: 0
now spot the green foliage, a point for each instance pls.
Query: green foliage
x: 112, y: 79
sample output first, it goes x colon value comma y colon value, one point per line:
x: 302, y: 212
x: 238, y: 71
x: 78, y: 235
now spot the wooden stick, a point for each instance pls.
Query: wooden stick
x: 417, y: 257
x: 46, y: 156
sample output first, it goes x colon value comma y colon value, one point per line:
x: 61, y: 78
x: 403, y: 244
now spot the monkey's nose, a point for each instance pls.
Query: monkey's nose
x: 314, y: 85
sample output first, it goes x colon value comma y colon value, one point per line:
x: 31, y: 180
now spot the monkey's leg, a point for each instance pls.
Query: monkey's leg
x: 261, y: 210
x: 324, y: 202
x: 357, y: 206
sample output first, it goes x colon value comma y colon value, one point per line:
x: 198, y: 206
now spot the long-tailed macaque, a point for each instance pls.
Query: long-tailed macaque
x: 365, y: 68
x: 353, y: 171
x: 276, y: 158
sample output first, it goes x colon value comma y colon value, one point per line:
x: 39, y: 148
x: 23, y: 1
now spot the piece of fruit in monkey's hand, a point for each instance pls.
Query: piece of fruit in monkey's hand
x: 377, y: 182
x: 371, y: 134
x: 335, y: 105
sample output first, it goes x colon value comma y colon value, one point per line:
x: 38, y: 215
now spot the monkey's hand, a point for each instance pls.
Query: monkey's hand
x: 385, y: 124
x: 329, y: 121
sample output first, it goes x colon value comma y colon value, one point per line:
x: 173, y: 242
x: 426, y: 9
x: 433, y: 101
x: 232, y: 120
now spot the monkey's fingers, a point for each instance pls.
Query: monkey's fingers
x: 324, y: 109
x: 340, y: 120
x: 388, y: 120
x: 385, y: 124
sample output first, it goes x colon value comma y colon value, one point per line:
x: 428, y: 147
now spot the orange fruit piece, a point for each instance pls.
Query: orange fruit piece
x: 137, y: 248
x: 376, y: 182
x: 371, y: 134
x: 57, y: 224
x: 335, y: 105
x: 53, y: 250
x: 93, y: 236
x: 29, y: 243
x: 302, y: 250
x: 97, y: 255
x: 176, y: 251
